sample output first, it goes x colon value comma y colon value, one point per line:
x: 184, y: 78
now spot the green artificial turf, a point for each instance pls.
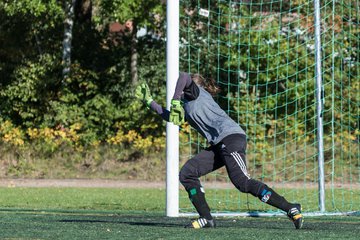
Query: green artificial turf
x: 94, y: 213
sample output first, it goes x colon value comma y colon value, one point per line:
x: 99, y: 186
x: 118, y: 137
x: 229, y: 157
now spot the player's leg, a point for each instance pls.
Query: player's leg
x: 234, y: 157
x: 200, y: 165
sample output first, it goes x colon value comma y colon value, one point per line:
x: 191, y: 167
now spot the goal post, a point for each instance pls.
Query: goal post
x: 319, y: 105
x: 172, y: 131
x: 289, y: 74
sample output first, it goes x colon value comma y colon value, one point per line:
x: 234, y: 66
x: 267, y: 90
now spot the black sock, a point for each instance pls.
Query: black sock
x: 197, y: 197
x: 269, y: 196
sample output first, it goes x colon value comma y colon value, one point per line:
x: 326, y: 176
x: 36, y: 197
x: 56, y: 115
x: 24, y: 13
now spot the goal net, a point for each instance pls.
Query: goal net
x: 262, y: 54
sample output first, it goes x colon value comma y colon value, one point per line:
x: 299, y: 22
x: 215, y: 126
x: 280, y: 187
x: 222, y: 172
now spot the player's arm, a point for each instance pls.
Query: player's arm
x: 185, y: 85
x: 165, y: 114
x: 143, y: 93
x: 177, y: 113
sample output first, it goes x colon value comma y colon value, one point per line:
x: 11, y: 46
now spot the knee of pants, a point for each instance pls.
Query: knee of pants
x: 241, y: 183
x: 243, y: 187
x: 246, y: 185
x: 188, y: 178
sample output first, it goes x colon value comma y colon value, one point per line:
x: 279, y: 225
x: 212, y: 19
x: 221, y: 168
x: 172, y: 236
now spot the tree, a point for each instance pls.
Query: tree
x: 80, y: 10
x: 148, y: 14
x: 30, y: 39
x: 68, y: 34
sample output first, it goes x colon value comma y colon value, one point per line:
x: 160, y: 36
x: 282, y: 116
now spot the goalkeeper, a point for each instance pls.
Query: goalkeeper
x: 193, y: 101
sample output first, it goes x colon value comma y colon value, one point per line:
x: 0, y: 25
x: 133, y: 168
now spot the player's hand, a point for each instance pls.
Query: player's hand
x: 142, y: 92
x: 177, y: 113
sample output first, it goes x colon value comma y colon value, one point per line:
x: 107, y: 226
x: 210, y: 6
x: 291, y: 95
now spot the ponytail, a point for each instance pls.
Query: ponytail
x: 209, y: 84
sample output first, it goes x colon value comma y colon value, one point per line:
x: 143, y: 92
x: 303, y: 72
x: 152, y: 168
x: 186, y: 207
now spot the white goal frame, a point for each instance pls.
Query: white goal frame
x: 172, y: 131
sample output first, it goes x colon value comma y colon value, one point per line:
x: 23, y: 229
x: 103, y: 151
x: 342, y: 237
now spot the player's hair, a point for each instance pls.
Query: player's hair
x: 209, y: 84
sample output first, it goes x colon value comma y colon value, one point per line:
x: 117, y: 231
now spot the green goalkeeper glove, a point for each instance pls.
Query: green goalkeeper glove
x: 177, y: 113
x: 142, y: 92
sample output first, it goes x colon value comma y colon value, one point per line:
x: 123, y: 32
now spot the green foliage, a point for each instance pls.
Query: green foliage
x: 26, y: 98
x: 268, y: 61
x: 262, y: 56
x: 144, y: 13
x: 88, y: 125
x: 95, y: 105
x: 29, y: 27
x: 97, y: 96
x: 35, y: 8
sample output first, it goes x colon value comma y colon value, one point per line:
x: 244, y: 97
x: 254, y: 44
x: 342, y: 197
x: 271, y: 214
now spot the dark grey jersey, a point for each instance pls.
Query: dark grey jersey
x: 206, y: 116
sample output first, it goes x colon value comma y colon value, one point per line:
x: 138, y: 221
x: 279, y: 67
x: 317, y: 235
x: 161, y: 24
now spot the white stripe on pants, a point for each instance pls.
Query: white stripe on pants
x: 241, y: 163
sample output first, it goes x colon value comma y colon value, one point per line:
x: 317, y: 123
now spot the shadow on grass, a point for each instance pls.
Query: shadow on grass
x: 312, y: 224
x: 158, y: 220
x: 166, y: 222
x: 143, y: 223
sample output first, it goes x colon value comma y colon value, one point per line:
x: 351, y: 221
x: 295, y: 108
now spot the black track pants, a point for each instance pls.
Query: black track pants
x: 231, y: 153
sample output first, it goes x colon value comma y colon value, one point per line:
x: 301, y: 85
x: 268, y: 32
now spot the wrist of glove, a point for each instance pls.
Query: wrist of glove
x: 148, y: 102
x: 142, y: 92
x: 177, y: 113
